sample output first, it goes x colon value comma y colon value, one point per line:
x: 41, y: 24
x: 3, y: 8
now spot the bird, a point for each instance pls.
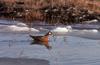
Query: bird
x: 41, y: 40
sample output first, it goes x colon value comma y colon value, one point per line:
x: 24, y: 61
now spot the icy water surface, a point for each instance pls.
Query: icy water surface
x: 66, y: 49
x: 78, y: 47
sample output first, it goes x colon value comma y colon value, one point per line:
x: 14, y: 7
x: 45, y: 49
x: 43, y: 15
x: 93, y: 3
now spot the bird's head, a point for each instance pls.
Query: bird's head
x: 49, y: 33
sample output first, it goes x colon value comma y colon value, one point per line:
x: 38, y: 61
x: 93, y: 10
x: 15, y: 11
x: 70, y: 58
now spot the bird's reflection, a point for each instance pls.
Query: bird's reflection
x: 45, y: 43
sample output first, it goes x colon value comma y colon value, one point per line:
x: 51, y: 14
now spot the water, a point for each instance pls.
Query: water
x: 77, y: 47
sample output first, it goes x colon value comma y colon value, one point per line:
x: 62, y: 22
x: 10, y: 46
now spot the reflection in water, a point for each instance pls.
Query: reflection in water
x: 45, y: 43
x: 65, y: 39
x: 20, y: 61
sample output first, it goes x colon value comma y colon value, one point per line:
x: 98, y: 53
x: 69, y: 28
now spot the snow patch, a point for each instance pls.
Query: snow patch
x: 92, y: 21
x: 17, y: 28
x: 21, y: 24
x: 62, y: 29
x: 93, y: 31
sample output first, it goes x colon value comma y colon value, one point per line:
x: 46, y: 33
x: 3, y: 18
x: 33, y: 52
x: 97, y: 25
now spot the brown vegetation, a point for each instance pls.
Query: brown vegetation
x: 35, y: 7
x: 36, y: 4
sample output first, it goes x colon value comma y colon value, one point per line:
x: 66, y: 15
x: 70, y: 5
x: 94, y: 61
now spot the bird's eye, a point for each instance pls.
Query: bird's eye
x: 49, y: 33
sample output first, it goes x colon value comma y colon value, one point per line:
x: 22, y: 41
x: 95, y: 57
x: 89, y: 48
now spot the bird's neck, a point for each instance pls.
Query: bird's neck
x: 46, y: 34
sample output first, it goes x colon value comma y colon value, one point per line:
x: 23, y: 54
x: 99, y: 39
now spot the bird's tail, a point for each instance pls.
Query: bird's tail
x: 49, y: 47
x: 31, y: 36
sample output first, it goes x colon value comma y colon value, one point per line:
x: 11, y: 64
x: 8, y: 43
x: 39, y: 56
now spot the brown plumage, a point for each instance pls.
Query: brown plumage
x: 42, y: 40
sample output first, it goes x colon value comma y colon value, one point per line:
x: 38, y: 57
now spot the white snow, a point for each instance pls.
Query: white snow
x: 91, y: 31
x: 90, y: 34
x: 92, y: 21
x: 17, y: 28
x: 21, y: 24
x: 62, y: 29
